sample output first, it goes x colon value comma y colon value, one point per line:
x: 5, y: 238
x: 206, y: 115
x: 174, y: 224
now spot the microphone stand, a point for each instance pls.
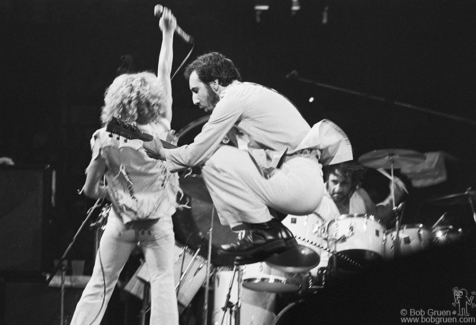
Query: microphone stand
x: 294, y: 75
x: 209, y: 258
x: 63, y: 258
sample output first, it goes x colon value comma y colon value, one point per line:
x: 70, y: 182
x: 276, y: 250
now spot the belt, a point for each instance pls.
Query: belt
x: 301, y: 153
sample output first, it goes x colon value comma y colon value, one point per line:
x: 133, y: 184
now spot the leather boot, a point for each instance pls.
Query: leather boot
x: 262, y: 239
x: 286, y: 234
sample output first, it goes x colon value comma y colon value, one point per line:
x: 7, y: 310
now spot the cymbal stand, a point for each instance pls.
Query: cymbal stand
x: 233, y: 308
x: 396, y: 243
x: 398, y: 211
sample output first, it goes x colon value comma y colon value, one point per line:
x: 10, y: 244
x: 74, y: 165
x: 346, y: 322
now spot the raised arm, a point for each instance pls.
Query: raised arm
x: 167, y: 24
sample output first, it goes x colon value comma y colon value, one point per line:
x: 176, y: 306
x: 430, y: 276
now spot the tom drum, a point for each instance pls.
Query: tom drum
x: 358, y: 236
x: 413, y: 238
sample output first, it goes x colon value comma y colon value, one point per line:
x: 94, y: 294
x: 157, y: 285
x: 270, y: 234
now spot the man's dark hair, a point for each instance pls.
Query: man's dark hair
x: 349, y: 169
x: 213, y: 66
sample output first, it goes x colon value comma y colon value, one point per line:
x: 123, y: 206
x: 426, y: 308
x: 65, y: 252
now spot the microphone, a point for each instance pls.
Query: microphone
x: 159, y: 10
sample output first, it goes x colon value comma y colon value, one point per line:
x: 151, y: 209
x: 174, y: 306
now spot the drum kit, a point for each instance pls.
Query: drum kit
x: 246, y: 294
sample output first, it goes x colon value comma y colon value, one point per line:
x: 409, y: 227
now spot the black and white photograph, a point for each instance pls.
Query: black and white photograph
x: 237, y: 162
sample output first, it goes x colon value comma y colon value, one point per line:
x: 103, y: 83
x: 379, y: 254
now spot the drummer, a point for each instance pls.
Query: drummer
x: 345, y: 195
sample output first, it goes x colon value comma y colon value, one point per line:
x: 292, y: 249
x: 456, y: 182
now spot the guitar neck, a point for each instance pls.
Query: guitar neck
x: 168, y: 145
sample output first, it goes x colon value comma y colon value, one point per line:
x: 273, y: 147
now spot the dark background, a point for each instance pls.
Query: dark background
x: 58, y: 57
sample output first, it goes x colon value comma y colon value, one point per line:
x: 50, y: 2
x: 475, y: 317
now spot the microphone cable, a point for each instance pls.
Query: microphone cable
x: 183, y: 62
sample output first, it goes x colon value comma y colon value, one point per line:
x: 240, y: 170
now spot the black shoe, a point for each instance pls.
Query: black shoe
x: 263, y: 239
x: 286, y: 234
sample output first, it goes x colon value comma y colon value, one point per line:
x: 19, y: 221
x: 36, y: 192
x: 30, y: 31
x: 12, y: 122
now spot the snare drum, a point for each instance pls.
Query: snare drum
x: 256, y: 307
x: 359, y: 236
x: 192, y: 269
x: 413, y: 238
x: 262, y: 277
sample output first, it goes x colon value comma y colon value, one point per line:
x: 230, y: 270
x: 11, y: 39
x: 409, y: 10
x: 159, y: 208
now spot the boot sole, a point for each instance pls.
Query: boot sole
x: 275, y: 246
x: 242, y: 260
x: 291, y: 242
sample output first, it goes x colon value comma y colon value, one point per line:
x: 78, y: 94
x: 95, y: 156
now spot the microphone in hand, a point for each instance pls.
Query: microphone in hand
x: 158, y: 12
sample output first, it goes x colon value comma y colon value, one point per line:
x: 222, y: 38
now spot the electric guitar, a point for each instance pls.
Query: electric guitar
x: 130, y: 132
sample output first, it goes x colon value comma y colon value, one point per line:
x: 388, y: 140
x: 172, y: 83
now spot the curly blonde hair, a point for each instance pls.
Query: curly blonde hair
x: 138, y: 97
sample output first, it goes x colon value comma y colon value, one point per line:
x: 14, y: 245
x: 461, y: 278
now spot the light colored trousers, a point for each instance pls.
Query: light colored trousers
x: 240, y: 194
x: 157, y: 242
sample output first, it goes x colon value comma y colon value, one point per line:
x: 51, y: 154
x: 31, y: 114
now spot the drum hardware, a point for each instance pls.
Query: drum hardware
x: 320, y: 278
x: 398, y: 222
x: 230, y: 307
x: 187, y: 282
x: 184, y: 273
x: 262, y: 277
x: 247, y: 306
x: 320, y: 230
x: 444, y: 235
x: 343, y: 237
x: 392, y: 159
x: 456, y: 199
x: 62, y: 261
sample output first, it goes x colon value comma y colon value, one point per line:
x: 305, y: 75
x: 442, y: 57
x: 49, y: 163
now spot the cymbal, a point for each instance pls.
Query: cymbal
x: 193, y: 185
x: 295, y: 260
x: 386, y: 158
x: 453, y: 199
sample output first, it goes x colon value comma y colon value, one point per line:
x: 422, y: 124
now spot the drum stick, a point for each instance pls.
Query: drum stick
x: 396, y: 180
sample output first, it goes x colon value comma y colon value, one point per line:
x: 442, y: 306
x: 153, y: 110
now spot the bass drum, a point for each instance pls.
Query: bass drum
x: 193, y: 222
x: 302, y: 312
